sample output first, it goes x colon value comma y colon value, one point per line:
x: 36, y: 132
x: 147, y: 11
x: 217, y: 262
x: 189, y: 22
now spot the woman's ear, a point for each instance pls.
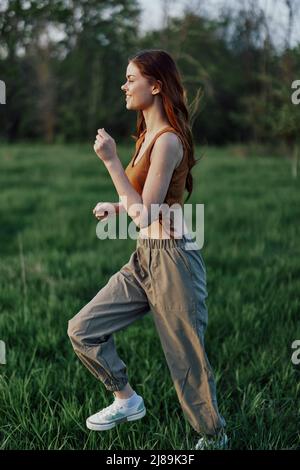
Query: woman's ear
x: 157, y: 87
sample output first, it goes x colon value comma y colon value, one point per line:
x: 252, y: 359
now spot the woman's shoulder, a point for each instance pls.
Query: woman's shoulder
x: 172, y: 138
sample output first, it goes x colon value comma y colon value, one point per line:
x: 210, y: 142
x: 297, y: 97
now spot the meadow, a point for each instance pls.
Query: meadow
x: 52, y: 264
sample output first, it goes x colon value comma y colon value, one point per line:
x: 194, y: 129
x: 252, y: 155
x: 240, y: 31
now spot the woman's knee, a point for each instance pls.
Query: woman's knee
x: 81, y: 334
x: 74, y: 328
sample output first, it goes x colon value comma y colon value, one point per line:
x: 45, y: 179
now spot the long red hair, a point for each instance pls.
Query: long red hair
x: 157, y: 64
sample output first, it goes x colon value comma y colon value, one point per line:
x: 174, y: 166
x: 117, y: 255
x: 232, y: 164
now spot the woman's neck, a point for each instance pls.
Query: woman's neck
x: 155, y: 118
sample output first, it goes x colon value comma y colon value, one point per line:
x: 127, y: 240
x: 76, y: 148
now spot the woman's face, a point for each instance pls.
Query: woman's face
x: 139, y: 93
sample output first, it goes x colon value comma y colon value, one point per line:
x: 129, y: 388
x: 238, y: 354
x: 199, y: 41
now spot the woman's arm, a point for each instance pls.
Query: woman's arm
x: 164, y: 158
x: 119, y: 207
x: 163, y: 161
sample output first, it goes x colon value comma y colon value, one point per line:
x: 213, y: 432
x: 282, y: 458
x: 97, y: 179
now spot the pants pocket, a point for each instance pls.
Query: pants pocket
x: 173, y: 282
x: 183, y: 256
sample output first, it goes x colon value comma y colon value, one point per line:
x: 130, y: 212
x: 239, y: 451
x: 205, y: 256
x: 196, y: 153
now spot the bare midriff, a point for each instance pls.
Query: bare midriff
x: 156, y: 230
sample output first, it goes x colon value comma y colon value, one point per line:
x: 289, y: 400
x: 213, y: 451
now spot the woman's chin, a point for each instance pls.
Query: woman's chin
x: 129, y: 106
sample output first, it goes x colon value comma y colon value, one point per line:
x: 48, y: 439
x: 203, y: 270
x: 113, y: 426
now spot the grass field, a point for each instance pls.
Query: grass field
x: 52, y: 264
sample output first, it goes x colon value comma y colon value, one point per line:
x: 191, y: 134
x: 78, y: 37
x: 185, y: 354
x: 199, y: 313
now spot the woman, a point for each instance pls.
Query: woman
x: 162, y: 274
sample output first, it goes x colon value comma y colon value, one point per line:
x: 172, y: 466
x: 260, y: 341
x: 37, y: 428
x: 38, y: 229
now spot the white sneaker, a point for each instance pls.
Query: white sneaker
x: 217, y: 443
x: 116, y: 413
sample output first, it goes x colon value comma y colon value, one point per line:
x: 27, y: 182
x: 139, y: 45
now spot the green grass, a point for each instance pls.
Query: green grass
x: 52, y: 264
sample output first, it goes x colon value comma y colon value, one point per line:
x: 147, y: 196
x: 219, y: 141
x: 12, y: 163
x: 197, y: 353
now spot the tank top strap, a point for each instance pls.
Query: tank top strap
x: 138, y: 143
x: 148, y: 151
x: 162, y: 131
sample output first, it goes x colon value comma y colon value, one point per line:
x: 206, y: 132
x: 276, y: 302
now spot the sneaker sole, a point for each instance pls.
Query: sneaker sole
x: 106, y: 426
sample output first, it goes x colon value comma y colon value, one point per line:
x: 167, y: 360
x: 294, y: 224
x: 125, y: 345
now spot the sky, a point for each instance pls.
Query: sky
x: 275, y: 10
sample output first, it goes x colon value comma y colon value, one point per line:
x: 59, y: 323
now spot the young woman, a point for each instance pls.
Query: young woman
x: 162, y: 274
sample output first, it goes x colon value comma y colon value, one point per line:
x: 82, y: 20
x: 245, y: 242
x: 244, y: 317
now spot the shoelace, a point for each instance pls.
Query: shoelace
x: 115, y: 406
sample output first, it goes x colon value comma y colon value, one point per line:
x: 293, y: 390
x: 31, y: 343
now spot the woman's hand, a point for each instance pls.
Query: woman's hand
x: 103, y: 210
x: 105, y: 147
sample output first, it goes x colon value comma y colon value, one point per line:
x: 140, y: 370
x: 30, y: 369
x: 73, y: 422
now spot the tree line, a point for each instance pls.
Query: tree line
x: 63, y: 63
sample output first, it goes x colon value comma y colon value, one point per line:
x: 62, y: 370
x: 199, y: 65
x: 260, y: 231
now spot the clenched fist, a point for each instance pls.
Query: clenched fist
x: 103, y: 210
x: 105, y: 146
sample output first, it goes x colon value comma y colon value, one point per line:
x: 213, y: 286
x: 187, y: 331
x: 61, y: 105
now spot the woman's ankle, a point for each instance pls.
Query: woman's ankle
x: 125, y: 393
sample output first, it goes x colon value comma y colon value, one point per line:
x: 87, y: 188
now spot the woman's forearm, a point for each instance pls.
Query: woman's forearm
x: 127, y: 193
x: 119, y: 207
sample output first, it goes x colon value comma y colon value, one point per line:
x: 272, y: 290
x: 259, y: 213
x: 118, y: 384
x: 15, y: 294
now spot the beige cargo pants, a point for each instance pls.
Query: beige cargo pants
x: 163, y: 276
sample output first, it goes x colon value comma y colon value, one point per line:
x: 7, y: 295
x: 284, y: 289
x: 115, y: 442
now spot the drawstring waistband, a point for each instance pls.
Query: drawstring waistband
x: 162, y: 242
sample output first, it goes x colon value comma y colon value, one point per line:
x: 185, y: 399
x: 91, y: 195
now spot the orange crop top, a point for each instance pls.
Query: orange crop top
x: 137, y: 174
